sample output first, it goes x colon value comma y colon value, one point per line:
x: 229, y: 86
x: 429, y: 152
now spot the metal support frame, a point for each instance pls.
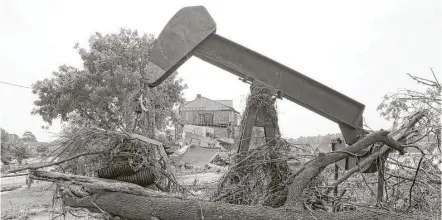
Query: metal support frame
x: 191, y: 32
x: 256, y: 117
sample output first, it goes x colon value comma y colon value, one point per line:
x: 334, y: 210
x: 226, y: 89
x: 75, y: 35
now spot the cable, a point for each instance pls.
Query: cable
x: 11, y: 84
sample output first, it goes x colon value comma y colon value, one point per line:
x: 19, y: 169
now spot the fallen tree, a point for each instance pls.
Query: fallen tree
x: 135, y: 202
x: 122, y: 199
x: 312, y: 169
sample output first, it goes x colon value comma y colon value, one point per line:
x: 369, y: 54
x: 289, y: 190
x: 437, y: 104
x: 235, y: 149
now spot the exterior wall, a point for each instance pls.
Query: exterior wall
x: 218, y: 115
x: 204, y: 117
x: 221, y: 132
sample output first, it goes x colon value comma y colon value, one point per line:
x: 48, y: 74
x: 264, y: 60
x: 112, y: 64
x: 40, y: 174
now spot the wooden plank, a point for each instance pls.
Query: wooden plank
x: 244, y: 143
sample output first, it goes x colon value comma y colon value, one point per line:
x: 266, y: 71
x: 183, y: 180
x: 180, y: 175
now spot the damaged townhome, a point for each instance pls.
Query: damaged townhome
x: 208, y: 130
x: 138, y: 150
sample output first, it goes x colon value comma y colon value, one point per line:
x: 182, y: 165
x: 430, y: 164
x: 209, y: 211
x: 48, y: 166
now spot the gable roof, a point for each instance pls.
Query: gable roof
x: 209, y: 104
x: 225, y: 102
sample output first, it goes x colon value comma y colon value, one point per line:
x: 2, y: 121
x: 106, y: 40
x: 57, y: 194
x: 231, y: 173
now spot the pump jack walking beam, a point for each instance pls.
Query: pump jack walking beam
x: 191, y: 31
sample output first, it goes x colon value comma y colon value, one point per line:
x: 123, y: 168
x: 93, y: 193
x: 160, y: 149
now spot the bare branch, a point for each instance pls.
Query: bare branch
x: 415, y: 175
x: 432, y: 181
x: 55, y: 163
x: 400, y: 134
x: 423, y: 81
x: 435, y: 78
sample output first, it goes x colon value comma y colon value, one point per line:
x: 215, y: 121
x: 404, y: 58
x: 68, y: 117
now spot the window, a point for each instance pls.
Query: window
x: 206, y: 118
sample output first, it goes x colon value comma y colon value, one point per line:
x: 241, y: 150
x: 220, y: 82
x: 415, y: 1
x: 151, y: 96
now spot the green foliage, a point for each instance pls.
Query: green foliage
x: 43, y: 149
x: 398, y: 107
x: 29, y: 137
x: 105, y: 91
x: 13, y: 147
x: 21, y: 151
x: 5, y: 147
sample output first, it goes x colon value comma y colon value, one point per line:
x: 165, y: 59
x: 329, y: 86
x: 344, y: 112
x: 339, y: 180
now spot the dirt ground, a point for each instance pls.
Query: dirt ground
x: 36, y: 203
x: 25, y: 203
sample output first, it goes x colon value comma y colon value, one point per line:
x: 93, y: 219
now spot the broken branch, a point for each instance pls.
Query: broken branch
x: 135, y: 202
x: 313, y: 168
x: 55, y: 163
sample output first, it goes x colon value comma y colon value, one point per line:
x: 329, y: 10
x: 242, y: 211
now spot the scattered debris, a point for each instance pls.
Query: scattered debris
x: 198, y: 156
x: 257, y: 177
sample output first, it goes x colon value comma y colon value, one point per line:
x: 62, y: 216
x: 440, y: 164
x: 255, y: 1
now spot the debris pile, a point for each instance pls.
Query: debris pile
x: 199, y: 150
x: 125, y: 157
x: 258, y: 177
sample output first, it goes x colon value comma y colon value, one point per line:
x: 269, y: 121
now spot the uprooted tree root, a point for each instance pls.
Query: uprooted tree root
x: 257, y: 177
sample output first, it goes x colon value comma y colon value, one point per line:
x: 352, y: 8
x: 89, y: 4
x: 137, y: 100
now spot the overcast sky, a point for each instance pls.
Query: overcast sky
x: 360, y: 48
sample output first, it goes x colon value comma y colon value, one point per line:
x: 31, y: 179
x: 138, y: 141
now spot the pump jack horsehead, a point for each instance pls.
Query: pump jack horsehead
x: 192, y: 32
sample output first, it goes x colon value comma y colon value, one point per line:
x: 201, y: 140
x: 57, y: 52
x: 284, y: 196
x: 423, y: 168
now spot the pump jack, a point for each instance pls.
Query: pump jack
x: 192, y: 32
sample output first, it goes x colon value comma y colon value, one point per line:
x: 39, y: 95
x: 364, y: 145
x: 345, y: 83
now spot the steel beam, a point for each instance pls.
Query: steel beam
x: 293, y: 85
x: 192, y: 32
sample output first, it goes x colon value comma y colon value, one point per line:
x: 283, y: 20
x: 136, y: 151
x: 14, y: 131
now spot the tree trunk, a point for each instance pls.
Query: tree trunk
x: 381, y: 177
x: 139, y: 207
x: 135, y: 202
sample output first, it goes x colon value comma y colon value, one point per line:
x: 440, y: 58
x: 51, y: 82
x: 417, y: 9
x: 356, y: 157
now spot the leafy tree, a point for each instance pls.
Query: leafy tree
x: 104, y: 93
x: 20, y: 151
x: 419, y: 169
x: 42, y: 148
x: 13, y: 147
x: 397, y: 106
x: 29, y: 137
x: 5, y: 149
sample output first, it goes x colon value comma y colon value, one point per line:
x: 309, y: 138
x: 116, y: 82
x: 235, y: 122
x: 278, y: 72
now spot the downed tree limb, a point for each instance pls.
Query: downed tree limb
x: 134, y: 202
x: 400, y: 134
x: 97, y: 184
x: 14, y: 175
x: 312, y: 169
x: 432, y: 181
x: 166, y: 208
x: 55, y: 163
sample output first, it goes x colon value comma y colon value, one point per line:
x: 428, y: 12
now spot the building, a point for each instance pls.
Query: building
x: 218, y: 115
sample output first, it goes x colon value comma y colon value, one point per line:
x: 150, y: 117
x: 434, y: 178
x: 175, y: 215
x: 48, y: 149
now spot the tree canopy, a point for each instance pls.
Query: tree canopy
x: 105, y: 91
x: 29, y: 137
x: 13, y: 147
